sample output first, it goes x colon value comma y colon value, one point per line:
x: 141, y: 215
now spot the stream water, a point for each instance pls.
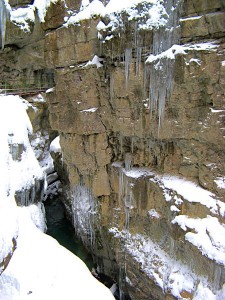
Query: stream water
x: 61, y: 229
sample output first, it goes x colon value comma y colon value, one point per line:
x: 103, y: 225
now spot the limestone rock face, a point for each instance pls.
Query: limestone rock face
x: 142, y: 140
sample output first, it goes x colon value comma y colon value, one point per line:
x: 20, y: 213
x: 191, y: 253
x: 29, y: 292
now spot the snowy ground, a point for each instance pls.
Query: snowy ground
x: 39, y: 268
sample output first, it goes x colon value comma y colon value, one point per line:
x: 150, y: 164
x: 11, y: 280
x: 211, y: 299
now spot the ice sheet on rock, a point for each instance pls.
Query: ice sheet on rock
x: 37, y: 215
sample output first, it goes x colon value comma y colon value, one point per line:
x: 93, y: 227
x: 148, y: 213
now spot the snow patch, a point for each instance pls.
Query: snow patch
x: 96, y: 61
x: 90, y: 110
x: 55, y: 145
x: 220, y: 182
x: 22, y: 17
x: 153, y: 214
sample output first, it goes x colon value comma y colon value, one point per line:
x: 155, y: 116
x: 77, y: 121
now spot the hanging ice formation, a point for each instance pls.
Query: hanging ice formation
x: 126, y: 197
x: 83, y: 208
x: 138, y: 50
x: 3, y: 18
x: 128, y: 56
x: 160, y: 71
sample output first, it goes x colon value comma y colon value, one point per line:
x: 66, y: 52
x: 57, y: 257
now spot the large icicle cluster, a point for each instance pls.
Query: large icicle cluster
x: 83, y: 207
x: 161, y: 70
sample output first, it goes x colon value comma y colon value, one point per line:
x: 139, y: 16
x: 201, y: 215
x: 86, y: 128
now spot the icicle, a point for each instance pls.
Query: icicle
x: 111, y: 88
x: 132, y: 144
x: 146, y: 81
x: 3, y: 18
x: 138, y: 60
x: 128, y: 161
x: 128, y: 56
x: 121, y: 144
x: 121, y: 186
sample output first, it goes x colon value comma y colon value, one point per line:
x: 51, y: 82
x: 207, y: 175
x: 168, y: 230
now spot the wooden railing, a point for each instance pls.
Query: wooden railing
x: 22, y: 91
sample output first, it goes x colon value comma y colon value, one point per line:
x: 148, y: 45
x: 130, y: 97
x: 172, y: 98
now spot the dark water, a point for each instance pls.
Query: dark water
x: 61, y: 229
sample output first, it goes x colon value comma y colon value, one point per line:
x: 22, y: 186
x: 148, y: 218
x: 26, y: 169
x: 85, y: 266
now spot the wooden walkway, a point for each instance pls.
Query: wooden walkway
x: 22, y: 91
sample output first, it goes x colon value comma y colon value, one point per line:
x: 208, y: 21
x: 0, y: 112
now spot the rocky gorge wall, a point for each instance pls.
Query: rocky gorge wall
x: 140, y: 114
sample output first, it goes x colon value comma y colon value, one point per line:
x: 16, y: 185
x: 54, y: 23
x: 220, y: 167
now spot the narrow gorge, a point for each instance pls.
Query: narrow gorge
x: 128, y: 97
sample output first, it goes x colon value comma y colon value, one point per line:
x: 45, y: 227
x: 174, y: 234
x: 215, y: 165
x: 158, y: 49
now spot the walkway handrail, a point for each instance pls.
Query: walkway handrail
x: 22, y: 90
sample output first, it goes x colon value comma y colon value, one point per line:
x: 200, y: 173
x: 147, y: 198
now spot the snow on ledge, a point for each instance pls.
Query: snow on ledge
x: 134, y: 172
x: 156, y: 14
x: 50, y: 90
x: 181, y: 49
x: 90, y: 110
x: 22, y: 16
x: 191, y: 192
x: 96, y: 61
x: 208, y: 235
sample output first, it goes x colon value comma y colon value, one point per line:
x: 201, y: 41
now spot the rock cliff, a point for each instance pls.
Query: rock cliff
x: 139, y: 104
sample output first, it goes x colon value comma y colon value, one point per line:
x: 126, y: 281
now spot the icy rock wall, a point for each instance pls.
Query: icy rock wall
x: 110, y: 117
